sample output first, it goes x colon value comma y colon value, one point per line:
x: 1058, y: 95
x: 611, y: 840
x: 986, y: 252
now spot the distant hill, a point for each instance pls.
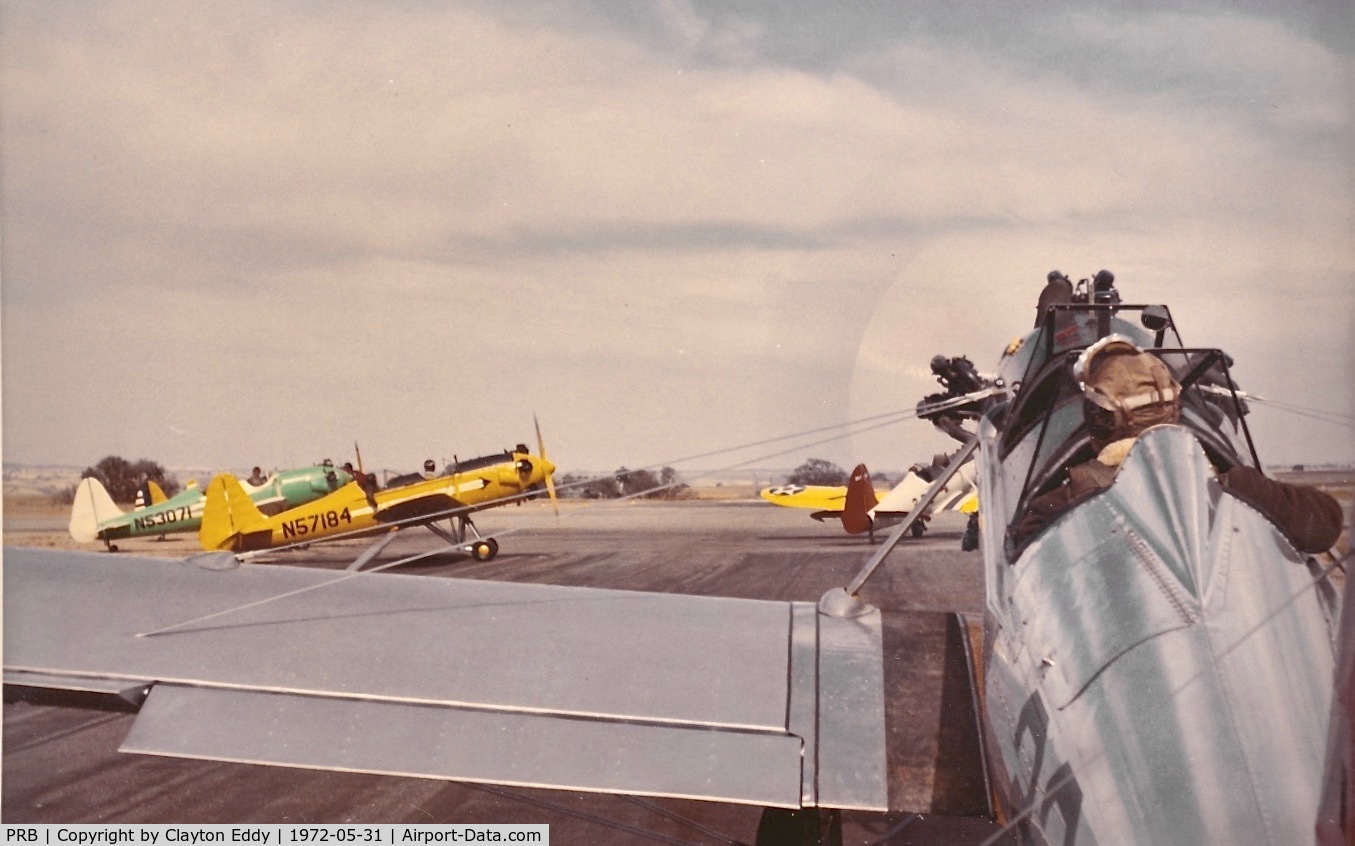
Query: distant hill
x: 34, y: 480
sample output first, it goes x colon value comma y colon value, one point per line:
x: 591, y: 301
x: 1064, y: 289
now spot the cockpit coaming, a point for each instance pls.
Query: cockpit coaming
x: 1041, y: 431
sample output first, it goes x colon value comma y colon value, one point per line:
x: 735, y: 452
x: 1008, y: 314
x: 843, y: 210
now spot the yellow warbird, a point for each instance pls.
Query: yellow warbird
x: 862, y: 508
x: 231, y: 522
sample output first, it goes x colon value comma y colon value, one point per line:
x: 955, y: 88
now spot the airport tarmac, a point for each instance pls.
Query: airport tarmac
x: 61, y: 764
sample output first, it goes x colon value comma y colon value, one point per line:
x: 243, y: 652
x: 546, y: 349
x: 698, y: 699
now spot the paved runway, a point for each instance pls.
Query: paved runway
x: 61, y: 764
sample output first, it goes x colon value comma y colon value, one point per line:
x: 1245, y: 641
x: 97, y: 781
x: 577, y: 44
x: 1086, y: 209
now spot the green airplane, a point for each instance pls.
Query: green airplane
x: 94, y: 515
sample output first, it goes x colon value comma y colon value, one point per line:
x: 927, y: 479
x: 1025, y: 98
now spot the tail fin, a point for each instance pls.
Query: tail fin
x: 227, y: 514
x: 149, y: 494
x: 92, y: 506
x: 860, y: 500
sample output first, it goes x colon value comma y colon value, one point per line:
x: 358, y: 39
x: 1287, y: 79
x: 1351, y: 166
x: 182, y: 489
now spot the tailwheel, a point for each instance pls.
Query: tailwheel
x: 484, y: 549
x: 918, y: 529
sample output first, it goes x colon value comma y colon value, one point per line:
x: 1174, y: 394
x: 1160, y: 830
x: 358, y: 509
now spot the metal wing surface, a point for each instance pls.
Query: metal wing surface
x: 734, y: 700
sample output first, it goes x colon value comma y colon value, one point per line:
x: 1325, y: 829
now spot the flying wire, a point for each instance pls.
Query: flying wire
x: 1333, y: 417
x: 612, y: 503
x: 877, y: 422
x: 583, y: 815
x: 850, y: 429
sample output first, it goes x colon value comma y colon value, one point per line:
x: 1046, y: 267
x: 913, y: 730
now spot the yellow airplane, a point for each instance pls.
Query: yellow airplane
x: 231, y: 521
x: 826, y: 500
x: 862, y: 508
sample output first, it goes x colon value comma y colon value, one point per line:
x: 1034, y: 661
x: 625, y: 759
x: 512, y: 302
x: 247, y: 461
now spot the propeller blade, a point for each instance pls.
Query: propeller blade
x: 550, y: 490
x: 550, y: 481
x: 359, y: 454
x: 540, y: 444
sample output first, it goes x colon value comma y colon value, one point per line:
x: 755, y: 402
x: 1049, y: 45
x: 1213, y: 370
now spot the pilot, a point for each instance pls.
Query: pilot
x: 1058, y: 290
x: 1125, y: 392
x: 256, y: 477
x: 1103, y: 287
x: 430, y: 470
x: 366, y: 481
x: 959, y: 377
x: 929, y: 472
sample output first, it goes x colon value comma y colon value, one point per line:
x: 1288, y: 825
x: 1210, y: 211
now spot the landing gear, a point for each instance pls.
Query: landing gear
x: 970, y: 540
x: 918, y: 528
x: 803, y: 827
x: 481, y: 548
x: 484, y: 550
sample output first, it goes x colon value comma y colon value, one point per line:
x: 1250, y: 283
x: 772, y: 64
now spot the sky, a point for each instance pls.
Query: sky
x: 261, y: 232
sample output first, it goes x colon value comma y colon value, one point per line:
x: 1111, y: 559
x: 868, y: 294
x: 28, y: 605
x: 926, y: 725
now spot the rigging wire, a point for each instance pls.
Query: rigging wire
x: 449, y: 547
x: 850, y: 429
x: 1333, y: 417
x: 583, y: 815
x: 678, y: 818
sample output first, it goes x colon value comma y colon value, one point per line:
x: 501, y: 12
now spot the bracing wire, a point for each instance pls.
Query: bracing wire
x: 1333, y: 417
x: 848, y: 429
x: 856, y: 427
x: 587, y: 817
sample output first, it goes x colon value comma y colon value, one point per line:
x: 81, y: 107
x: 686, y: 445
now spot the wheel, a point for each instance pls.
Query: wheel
x: 918, y: 529
x: 484, y: 550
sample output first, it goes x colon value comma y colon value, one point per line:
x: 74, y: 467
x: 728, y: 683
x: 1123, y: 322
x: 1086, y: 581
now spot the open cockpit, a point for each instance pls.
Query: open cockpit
x: 1043, y: 429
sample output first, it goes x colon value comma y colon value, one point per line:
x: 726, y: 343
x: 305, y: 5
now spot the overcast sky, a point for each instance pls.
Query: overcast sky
x: 256, y: 232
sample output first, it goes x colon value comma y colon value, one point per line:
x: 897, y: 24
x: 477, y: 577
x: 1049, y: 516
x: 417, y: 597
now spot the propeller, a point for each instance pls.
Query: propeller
x: 549, y: 468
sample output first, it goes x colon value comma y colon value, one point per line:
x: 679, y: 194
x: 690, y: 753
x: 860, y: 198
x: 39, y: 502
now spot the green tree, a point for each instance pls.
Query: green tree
x: 123, y: 478
x: 817, y: 471
x: 636, y: 482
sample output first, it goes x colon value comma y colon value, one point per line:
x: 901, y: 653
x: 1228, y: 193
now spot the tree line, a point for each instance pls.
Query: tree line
x: 123, y: 478
x: 640, y: 484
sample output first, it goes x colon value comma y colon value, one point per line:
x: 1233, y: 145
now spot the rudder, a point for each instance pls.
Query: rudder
x: 92, y: 505
x: 860, y: 500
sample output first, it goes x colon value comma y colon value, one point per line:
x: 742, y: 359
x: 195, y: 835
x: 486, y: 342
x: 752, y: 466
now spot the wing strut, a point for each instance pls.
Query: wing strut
x: 373, y: 550
x: 843, y: 602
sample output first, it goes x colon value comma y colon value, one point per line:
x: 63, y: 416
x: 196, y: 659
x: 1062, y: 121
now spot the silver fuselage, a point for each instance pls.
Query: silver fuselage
x: 1159, y: 658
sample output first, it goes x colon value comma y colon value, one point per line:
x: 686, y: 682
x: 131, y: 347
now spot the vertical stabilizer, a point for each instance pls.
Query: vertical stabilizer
x: 861, y: 499
x: 91, y: 507
x: 227, y: 514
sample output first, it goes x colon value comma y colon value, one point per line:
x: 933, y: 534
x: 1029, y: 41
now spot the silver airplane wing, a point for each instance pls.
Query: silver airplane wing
x: 743, y: 701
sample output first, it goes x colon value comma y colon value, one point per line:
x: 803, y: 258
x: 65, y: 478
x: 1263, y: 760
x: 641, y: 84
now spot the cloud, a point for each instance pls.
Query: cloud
x: 414, y: 207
